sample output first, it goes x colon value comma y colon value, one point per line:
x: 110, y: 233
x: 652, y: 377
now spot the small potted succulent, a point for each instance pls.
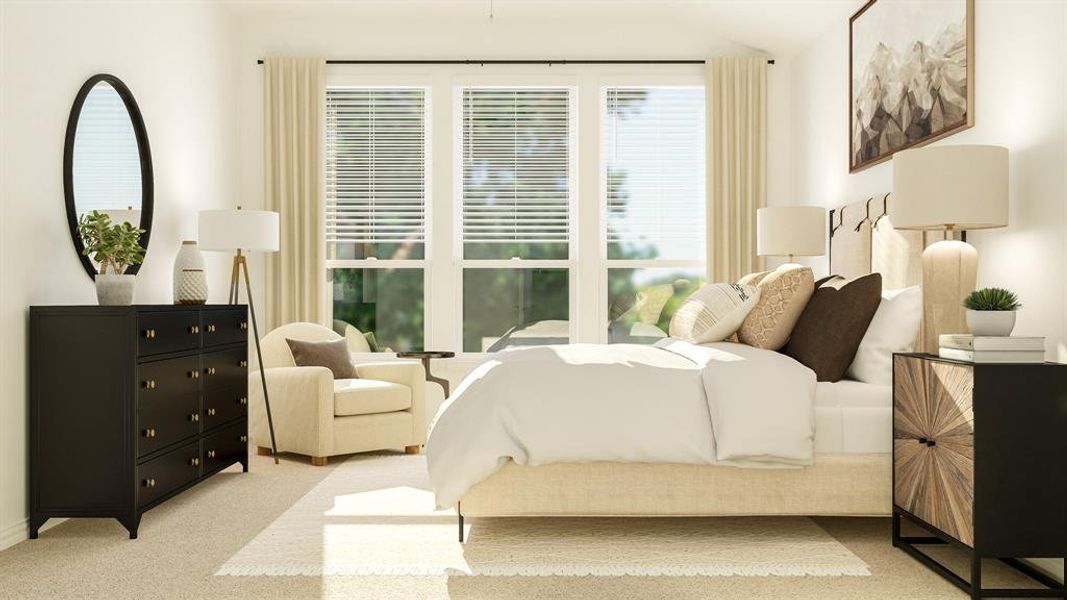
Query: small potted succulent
x: 991, y: 311
x: 114, y: 247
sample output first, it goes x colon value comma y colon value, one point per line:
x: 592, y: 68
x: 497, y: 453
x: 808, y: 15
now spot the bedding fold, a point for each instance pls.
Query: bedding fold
x: 674, y: 402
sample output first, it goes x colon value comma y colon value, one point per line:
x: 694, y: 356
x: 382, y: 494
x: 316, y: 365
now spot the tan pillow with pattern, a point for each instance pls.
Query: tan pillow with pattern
x: 784, y: 292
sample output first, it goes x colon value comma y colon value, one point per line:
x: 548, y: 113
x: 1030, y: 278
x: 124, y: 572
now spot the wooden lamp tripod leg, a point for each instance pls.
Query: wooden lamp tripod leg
x: 239, y: 262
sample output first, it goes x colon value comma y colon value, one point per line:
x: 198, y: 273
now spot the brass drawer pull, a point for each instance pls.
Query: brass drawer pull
x: 242, y: 401
x: 151, y: 483
x: 194, y: 462
x: 244, y: 325
x: 243, y: 438
x: 210, y: 370
x: 211, y: 412
x: 194, y: 374
x: 149, y: 334
x: 211, y: 329
x: 149, y: 384
x: 194, y: 329
x: 243, y: 364
x: 150, y: 432
x: 211, y: 454
x: 195, y: 418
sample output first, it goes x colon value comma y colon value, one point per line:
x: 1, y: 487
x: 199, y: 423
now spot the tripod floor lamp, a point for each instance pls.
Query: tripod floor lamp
x: 240, y: 231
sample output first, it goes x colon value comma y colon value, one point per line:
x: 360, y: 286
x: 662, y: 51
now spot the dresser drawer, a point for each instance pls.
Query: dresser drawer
x: 933, y: 443
x: 162, y: 475
x: 165, y: 420
x: 159, y: 332
x: 224, y: 326
x: 223, y: 405
x: 225, y: 369
x: 225, y: 447
x: 168, y: 378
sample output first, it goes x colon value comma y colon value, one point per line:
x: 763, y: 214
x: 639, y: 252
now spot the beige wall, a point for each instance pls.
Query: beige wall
x: 1021, y: 103
x: 176, y: 59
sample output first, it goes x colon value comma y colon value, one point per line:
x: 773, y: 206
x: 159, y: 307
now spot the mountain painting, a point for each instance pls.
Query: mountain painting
x: 911, y: 75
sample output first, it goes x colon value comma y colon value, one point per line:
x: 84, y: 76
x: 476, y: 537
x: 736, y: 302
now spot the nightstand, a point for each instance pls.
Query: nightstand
x: 979, y: 455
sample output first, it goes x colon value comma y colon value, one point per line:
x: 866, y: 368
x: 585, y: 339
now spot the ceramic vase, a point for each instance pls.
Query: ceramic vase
x: 991, y: 322
x: 114, y: 290
x: 190, y: 281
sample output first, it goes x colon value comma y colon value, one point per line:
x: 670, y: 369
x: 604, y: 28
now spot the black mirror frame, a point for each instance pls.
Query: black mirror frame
x: 143, y: 151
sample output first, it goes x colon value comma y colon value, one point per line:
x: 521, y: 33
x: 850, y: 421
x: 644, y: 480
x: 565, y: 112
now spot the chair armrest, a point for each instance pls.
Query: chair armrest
x: 301, y: 402
x: 407, y: 373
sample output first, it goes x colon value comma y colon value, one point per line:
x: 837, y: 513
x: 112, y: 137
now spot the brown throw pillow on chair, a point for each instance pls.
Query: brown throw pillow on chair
x: 830, y: 329
x: 332, y: 354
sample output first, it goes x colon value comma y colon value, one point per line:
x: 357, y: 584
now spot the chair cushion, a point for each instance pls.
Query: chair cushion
x: 368, y: 397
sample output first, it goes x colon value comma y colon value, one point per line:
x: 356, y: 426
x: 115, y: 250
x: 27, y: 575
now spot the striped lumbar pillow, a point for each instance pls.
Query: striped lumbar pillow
x: 713, y: 313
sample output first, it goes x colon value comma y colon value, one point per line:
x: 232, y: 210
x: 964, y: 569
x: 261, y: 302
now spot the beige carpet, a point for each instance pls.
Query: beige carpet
x: 374, y: 515
x: 184, y: 542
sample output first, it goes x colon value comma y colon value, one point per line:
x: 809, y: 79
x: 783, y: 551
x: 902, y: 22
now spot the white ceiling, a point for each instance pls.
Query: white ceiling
x: 779, y: 28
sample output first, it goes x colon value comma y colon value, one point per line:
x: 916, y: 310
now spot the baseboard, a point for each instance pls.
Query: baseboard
x: 20, y: 530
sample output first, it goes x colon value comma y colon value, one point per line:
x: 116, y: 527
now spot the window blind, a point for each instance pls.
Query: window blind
x: 653, y: 148
x: 375, y: 172
x: 107, y: 161
x: 516, y: 167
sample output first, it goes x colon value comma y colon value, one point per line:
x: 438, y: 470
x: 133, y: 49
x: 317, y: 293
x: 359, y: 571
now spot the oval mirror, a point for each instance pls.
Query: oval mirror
x: 107, y: 165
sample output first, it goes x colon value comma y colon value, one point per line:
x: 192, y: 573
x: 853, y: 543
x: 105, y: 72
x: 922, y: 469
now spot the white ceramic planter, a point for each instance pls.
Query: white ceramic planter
x: 991, y: 322
x: 114, y: 290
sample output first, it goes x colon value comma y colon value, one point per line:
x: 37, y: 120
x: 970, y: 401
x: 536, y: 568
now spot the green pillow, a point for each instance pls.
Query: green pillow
x: 372, y: 341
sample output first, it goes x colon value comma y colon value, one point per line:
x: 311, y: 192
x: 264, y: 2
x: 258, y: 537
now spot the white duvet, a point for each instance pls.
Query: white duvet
x: 674, y: 402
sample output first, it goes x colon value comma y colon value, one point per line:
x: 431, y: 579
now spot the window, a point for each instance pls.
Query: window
x: 376, y: 213
x: 653, y: 201
x: 516, y: 202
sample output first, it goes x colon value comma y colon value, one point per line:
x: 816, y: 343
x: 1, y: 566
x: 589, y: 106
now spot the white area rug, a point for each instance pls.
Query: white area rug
x: 374, y: 515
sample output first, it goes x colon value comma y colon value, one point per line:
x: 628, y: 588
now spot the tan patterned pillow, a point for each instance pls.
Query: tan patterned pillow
x: 784, y: 292
x: 713, y: 312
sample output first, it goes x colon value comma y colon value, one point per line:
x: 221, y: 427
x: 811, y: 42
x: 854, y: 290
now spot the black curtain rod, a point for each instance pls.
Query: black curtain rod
x: 563, y: 61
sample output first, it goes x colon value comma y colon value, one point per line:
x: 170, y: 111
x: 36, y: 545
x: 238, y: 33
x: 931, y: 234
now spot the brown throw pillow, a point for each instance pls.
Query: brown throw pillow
x: 832, y: 325
x: 332, y: 354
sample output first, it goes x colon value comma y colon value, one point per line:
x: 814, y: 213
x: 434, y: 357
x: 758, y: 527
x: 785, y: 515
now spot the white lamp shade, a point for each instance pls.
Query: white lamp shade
x: 965, y: 187
x: 238, y: 230
x: 791, y: 230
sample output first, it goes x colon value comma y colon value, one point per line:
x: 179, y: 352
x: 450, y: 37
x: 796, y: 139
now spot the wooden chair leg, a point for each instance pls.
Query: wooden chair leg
x: 411, y: 449
x: 319, y: 461
x: 260, y: 450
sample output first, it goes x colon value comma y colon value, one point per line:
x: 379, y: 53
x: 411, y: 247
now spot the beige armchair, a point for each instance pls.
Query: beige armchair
x: 319, y: 417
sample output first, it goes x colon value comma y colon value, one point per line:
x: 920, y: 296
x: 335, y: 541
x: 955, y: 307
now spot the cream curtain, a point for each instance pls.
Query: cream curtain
x: 294, y: 99
x: 736, y: 104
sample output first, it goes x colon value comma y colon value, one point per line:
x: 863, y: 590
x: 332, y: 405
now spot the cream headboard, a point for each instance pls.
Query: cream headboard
x: 863, y: 240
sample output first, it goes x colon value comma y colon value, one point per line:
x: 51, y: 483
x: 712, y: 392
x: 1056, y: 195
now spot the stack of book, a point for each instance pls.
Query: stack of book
x: 992, y: 349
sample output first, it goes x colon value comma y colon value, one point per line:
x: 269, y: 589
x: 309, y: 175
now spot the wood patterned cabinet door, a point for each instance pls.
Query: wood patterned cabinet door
x: 933, y: 443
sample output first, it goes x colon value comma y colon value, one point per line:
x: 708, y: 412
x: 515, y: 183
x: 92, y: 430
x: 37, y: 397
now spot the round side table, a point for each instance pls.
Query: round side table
x: 425, y: 356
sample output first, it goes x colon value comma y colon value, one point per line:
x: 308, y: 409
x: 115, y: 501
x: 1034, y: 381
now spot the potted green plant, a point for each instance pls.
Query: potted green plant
x: 114, y: 247
x: 991, y: 311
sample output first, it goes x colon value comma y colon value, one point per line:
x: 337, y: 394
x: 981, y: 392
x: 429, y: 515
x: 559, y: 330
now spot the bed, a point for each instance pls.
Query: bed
x: 850, y: 474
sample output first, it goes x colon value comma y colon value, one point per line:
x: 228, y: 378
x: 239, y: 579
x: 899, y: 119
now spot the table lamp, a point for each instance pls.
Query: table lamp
x: 791, y: 231
x: 950, y: 188
x: 241, y: 231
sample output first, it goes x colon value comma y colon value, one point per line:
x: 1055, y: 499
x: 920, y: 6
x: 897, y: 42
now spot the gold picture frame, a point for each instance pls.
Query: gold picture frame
x: 915, y: 117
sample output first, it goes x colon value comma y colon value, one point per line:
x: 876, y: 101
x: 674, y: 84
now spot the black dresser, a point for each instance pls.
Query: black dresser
x: 978, y: 455
x: 131, y: 405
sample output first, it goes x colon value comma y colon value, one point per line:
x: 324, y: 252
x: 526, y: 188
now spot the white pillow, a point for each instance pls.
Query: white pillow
x: 893, y: 329
x: 713, y: 313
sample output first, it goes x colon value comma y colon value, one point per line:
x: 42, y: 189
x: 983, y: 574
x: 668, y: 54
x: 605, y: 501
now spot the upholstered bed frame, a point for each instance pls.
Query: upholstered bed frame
x: 862, y: 241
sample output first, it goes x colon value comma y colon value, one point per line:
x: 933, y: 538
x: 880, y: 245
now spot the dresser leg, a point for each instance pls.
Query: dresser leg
x: 976, y: 576
x: 320, y: 461
x: 260, y: 450
x: 896, y: 529
x: 131, y: 523
x: 35, y: 526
